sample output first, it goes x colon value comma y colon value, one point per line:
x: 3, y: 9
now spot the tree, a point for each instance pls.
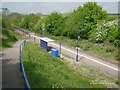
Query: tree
x: 88, y: 16
x: 71, y: 26
x: 29, y: 21
x: 53, y: 23
x: 106, y: 31
x: 33, y: 19
x: 38, y: 27
x: 24, y: 23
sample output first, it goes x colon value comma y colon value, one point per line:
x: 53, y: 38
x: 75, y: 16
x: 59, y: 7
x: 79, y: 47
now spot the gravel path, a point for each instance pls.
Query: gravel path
x: 11, y: 74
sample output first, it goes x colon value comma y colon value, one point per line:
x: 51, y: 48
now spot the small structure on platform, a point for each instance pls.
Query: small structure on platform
x: 44, y: 42
x: 54, y: 52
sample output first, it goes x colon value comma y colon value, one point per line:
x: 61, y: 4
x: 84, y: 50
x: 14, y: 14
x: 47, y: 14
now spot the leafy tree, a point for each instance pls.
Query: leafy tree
x: 88, y: 16
x: 71, y: 27
x: 113, y: 36
x: 24, y: 22
x: 33, y: 19
x: 99, y: 34
x: 39, y: 26
x: 53, y: 23
x: 15, y: 18
x: 5, y: 21
x: 29, y: 21
x: 106, y: 31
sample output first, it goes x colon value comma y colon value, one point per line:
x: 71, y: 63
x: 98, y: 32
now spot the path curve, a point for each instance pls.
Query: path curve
x: 11, y: 74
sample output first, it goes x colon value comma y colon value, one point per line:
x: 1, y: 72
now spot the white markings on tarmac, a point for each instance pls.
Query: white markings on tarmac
x: 82, y: 55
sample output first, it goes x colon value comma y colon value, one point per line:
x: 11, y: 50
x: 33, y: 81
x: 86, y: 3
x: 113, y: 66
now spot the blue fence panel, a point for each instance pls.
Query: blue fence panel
x: 20, y: 64
x: 26, y: 84
x: 44, y: 45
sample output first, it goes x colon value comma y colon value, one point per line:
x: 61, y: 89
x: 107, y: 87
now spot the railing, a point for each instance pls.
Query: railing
x: 21, y: 29
x: 26, y: 84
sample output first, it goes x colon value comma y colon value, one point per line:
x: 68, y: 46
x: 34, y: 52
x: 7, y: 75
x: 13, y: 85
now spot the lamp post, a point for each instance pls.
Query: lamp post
x: 5, y: 11
x: 77, y: 46
x: 60, y: 51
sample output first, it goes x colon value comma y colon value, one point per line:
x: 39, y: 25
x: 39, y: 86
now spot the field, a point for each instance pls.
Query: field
x: 45, y: 71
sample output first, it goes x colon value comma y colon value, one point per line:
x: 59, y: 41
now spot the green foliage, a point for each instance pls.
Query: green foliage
x: 53, y: 23
x: 88, y: 16
x: 9, y: 37
x: 33, y: 19
x: 113, y: 36
x: 93, y: 23
x: 71, y: 27
x: 83, y: 20
x: 99, y: 34
x: 106, y: 31
x: 5, y: 21
x: 45, y: 71
x: 15, y: 18
x: 29, y: 21
x: 24, y: 23
x: 39, y: 27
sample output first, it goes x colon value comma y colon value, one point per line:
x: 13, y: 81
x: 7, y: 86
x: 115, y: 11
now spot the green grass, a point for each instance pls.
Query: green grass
x: 107, y: 51
x: 9, y: 37
x: 45, y: 71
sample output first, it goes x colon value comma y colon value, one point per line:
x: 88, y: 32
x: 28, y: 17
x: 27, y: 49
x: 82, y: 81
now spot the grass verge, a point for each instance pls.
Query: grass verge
x: 9, y: 37
x: 45, y: 71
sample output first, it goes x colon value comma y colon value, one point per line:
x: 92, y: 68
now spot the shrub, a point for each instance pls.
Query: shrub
x: 105, y: 31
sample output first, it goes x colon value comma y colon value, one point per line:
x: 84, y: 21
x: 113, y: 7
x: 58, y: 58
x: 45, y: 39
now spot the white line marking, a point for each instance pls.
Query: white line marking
x: 35, y: 36
x: 82, y: 55
x: 87, y: 58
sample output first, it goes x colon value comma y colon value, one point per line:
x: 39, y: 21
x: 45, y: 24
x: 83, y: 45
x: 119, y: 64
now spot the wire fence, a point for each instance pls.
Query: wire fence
x: 26, y: 83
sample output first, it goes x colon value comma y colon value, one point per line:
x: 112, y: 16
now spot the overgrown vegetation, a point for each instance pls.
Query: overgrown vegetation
x: 93, y: 23
x: 8, y: 35
x: 45, y: 71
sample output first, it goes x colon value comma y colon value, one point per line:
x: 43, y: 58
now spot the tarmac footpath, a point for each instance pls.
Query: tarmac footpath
x: 11, y: 73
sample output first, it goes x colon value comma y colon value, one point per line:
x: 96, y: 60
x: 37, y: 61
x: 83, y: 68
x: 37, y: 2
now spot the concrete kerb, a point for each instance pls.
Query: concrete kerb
x: 27, y: 86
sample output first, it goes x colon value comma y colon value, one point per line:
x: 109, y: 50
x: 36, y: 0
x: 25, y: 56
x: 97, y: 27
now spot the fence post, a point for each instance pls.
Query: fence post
x: 26, y: 84
x: 40, y: 43
x: 29, y: 36
x: 34, y: 39
x: 24, y: 42
x: 20, y: 57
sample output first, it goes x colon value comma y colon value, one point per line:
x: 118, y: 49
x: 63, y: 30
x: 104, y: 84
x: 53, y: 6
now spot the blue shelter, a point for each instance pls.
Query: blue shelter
x: 44, y: 42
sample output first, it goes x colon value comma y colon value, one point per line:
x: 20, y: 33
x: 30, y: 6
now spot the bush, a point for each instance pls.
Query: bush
x: 110, y: 49
x: 53, y: 24
x: 88, y: 16
x: 105, y: 31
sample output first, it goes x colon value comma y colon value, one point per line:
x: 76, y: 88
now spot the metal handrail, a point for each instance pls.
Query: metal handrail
x: 26, y: 83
